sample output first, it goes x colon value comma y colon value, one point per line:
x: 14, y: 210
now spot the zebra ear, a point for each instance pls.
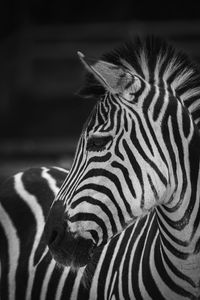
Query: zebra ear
x: 113, y: 78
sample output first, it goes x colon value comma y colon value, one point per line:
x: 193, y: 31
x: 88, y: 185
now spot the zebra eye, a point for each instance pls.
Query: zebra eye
x: 98, y: 143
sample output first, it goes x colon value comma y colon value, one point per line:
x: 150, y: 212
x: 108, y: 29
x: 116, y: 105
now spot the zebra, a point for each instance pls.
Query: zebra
x: 124, y: 223
x: 25, y: 199
x: 137, y: 162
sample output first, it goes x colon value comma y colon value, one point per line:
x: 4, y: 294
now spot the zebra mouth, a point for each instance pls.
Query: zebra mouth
x: 75, y: 262
x: 73, y: 252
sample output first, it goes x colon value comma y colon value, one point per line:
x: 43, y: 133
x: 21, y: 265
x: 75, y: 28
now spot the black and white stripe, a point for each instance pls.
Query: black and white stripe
x: 129, y: 206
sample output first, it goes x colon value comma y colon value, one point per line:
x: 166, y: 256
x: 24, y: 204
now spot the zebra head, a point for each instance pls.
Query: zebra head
x: 127, y: 160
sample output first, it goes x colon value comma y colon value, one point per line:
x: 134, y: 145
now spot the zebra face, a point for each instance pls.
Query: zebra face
x: 121, y: 169
x: 120, y: 178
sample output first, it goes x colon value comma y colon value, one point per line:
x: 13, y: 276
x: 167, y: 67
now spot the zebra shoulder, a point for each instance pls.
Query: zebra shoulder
x: 25, y: 200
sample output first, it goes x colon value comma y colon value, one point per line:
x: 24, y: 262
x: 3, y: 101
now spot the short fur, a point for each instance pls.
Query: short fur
x: 158, y: 63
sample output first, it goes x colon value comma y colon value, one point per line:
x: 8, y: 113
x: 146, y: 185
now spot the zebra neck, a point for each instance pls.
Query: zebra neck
x: 179, y: 228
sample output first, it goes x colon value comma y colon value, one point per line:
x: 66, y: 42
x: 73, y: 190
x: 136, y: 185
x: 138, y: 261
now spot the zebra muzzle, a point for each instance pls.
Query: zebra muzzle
x: 66, y: 248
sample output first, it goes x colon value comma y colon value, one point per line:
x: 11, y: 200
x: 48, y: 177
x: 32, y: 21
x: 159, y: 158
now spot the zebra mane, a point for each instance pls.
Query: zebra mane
x: 158, y: 63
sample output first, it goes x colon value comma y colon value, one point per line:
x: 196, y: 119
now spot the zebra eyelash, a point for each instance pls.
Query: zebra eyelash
x: 98, y: 143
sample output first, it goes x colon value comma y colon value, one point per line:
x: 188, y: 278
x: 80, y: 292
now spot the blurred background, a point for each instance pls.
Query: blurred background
x: 40, y: 115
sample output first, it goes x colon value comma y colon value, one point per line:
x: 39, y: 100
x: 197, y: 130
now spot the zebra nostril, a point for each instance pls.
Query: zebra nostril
x: 55, y: 227
x: 53, y: 237
x: 56, y: 236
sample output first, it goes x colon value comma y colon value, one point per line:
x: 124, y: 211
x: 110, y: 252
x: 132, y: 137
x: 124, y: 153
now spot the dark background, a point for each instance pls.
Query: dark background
x: 40, y: 115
